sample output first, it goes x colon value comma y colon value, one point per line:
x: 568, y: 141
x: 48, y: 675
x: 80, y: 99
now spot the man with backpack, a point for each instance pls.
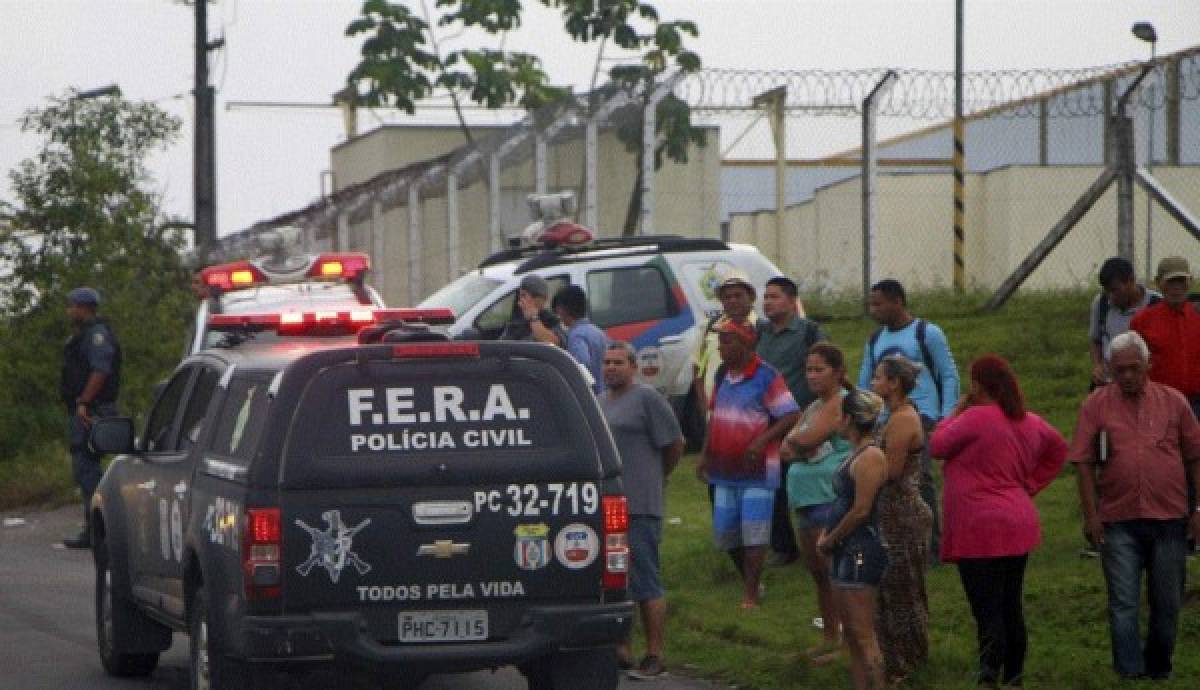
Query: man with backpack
x: 1121, y: 296
x: 783, y: 341
x: 936, y: 392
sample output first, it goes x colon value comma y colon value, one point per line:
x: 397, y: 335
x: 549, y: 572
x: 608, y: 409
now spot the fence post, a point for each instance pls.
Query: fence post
x: 379, y: 248
x: 870, y: 167
x: 649, y: 137
x: 342, y: 239
x: 414, y: 241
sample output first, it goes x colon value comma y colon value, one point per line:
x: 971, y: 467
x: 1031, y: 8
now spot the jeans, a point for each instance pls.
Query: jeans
x: 993, y: 587
x: 929, y: 492
x: 1159, y: 548
x: 85, y: 464
x: 783, y: 536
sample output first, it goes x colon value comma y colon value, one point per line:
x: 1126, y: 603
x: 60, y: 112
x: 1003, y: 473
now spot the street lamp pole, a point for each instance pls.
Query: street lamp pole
x: 1145, y: 32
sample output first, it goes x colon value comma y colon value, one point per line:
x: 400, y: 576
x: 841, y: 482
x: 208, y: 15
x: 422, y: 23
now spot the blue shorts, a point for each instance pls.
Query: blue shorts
x: 645, y: 534
x: 742, y: 516
x: 814, y: 516
x: 859, y: 561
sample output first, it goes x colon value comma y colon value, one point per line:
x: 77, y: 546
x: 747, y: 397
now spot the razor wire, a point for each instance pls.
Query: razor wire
x: 929, y: 94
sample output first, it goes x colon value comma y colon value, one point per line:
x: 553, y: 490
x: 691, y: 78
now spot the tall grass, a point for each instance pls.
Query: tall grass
x: 1044, y: 336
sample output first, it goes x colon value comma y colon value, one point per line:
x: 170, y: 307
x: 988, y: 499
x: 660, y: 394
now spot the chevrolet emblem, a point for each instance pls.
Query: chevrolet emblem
x: 443, y: 549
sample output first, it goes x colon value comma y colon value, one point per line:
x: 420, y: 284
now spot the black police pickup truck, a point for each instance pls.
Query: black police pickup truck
x: 405, y: 507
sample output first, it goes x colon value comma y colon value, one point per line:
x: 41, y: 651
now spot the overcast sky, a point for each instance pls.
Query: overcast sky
x: 270, y: 160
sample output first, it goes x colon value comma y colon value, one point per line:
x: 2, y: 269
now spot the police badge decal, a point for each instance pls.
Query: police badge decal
x: 532, y: 550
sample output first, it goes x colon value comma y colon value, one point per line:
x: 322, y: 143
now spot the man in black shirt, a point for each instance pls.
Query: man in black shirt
x: 533, y: 320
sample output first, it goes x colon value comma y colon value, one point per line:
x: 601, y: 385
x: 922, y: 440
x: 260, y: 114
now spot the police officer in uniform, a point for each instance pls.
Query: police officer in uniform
x: 91, y: 377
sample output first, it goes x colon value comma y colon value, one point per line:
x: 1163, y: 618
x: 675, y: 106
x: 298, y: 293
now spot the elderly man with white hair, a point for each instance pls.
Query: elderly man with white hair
x: 1144, y: 437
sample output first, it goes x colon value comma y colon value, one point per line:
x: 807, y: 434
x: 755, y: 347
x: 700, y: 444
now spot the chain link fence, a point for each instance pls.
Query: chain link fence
x: 1034, y: 142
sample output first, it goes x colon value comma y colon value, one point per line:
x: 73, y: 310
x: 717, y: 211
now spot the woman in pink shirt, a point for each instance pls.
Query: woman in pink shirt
x: 997, y: 457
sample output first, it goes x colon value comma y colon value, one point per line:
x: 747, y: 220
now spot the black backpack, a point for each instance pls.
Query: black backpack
x: 926, y: 357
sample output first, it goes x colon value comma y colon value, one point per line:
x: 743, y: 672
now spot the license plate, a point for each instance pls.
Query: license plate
x: 443, y: 626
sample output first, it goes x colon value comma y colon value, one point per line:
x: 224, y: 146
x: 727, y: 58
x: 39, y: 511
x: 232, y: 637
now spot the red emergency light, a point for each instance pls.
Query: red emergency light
x: 234, y: 276
x: 340, y: 266
x: 323, y: 321
x: 565, y: 234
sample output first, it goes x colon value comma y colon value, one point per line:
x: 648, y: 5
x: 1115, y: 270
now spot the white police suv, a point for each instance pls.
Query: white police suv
x: 656, y: 292
x: 322, y: 284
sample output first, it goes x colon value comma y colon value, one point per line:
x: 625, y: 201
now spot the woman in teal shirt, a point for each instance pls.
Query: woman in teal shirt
x: 816, y: 449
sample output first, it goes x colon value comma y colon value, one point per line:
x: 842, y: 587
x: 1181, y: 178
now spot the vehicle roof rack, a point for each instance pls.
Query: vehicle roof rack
x: 539, y: 257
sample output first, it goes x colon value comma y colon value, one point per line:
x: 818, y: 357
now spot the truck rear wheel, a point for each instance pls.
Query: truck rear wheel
x: 211, y: 669
x: 116, y: 615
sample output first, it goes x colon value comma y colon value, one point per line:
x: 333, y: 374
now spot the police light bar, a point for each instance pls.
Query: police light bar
x: 233, y: 276
x: 434, y: 316
x: 340, y: 266
x: 315, y: 322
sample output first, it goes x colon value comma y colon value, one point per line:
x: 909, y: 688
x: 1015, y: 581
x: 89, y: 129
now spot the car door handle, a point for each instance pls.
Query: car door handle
x: 148, y: 486
x: 670, y: 339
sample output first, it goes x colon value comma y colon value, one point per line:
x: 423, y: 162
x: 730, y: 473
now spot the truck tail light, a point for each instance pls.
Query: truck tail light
x: 616, y: 542
x: 262, y: 547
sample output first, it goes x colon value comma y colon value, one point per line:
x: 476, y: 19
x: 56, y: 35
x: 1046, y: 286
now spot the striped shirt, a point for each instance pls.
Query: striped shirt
x: 744, y: 405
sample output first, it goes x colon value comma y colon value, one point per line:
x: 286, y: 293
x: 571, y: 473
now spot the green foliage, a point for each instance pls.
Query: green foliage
x: 399, y: 68
x: 86, y: 214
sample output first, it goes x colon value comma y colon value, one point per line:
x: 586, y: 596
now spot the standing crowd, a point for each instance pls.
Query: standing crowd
x: 801, y: 462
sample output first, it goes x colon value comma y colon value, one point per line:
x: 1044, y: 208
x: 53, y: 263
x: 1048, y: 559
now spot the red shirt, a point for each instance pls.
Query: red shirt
x: 1174, y: 339
x: 1151, y: 436
x: 994, y: 466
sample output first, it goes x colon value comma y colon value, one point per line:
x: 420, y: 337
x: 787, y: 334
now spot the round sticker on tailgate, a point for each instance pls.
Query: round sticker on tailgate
x: 576, y: 546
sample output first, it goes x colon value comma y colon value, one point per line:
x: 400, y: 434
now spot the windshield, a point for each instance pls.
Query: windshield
x: 463, y: 293
x: 289, y: 298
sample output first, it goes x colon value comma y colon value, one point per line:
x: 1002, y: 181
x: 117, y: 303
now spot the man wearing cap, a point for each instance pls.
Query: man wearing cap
x: 751, y: 410
x: 91, y: 379
x: 1171, y: 329
x: 533, y: 320
x: 737, y: 297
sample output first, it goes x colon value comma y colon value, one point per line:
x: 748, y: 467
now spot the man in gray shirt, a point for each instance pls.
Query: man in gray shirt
x: 650, y: 443
x: 1121, y: 296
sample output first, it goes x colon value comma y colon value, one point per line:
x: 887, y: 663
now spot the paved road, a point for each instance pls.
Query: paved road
x: 48, y: 639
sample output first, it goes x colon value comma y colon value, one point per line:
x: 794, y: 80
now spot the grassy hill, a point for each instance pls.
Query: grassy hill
x: 1044, y: 335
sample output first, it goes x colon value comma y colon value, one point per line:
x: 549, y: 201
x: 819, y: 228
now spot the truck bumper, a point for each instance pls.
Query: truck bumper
x: 342, y: 637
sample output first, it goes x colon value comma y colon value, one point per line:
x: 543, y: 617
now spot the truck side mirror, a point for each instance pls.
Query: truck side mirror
x: 112, y: 435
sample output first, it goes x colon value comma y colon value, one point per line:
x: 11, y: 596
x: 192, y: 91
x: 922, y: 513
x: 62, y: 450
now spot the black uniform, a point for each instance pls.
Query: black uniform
x: 93, y: 348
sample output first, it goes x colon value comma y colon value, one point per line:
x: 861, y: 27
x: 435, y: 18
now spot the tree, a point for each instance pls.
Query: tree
x: 85, y: 213
x: 402, y: 64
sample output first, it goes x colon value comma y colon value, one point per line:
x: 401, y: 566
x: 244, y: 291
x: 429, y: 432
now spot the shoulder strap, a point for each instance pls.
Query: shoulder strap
x: 927, y: 359
x: 1102, y: 315
x: 871, y: 346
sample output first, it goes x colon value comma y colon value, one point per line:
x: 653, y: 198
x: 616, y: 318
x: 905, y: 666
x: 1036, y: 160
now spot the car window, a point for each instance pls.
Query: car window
x: 166, y: 410
x: 463, y: 293
x: 196, y: 412
x: 242, y: 419
x: 495, y: 317
x: 619, y: 296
